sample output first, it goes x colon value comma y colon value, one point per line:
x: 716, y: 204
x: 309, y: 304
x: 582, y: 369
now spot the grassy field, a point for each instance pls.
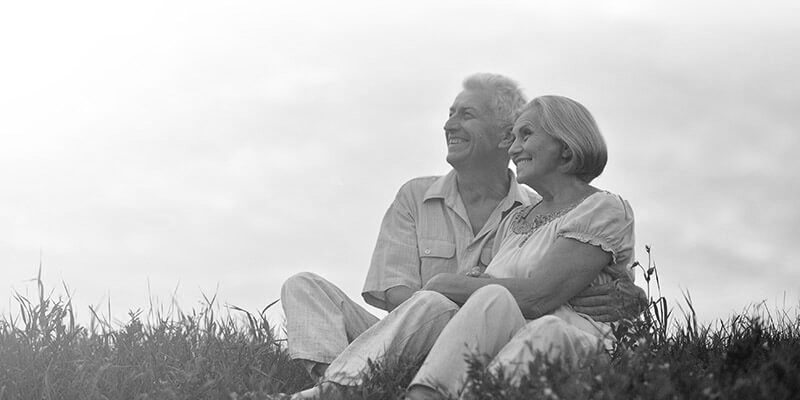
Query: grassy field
x: 44, y: 354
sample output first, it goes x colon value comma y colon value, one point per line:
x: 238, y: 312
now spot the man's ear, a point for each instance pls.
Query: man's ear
x: 507, y: 138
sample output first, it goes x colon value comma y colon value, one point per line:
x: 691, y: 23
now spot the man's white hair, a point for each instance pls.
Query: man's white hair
x: 507, y: 98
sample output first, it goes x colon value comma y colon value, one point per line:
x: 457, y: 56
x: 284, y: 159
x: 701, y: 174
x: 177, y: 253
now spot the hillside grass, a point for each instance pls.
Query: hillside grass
x: 205, y: 354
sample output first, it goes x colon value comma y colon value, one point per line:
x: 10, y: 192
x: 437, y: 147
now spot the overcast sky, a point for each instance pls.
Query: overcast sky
x: 220, y: 147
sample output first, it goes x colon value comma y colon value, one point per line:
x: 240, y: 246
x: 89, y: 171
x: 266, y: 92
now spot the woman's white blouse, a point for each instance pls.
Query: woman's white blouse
x: 603, y: 219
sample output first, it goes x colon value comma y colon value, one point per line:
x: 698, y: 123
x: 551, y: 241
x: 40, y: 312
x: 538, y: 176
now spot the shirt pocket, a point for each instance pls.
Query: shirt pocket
x: 436, y: 256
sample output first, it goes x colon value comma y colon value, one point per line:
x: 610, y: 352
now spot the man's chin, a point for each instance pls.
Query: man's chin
x: 456, y: 157
x: 454, y: 160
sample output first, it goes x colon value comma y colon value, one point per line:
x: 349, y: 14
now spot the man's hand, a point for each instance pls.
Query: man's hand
x: 610, y: 302
x: 477, y: 272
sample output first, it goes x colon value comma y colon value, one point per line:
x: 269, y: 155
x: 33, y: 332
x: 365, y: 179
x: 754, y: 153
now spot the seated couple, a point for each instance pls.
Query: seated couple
x: 475, y: 262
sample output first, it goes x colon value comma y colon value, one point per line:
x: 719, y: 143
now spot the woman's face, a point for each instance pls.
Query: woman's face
x: 536, y: 154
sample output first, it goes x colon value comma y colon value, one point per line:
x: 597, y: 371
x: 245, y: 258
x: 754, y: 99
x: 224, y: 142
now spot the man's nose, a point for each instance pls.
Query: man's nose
x: 451, y: 124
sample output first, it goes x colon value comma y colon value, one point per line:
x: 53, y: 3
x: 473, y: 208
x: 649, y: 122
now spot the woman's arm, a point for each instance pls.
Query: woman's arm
x: 566, y: 269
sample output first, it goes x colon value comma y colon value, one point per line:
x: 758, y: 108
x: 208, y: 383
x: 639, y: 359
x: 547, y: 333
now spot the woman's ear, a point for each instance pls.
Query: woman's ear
x: 567, y: 159
x: 507, y: 138
x: 566, y: 153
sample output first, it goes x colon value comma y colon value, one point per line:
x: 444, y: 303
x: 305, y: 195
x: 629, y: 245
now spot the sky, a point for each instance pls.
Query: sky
x: 157, y: 152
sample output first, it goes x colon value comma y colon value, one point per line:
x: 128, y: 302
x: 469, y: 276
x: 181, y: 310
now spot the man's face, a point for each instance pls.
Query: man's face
x: 471, y: 132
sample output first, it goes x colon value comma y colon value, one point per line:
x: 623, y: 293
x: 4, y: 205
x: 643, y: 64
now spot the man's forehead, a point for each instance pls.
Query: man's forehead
x: 478, y: 99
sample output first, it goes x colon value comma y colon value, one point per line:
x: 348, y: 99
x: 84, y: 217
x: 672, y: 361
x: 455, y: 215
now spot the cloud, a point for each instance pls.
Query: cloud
x: 240, y: 145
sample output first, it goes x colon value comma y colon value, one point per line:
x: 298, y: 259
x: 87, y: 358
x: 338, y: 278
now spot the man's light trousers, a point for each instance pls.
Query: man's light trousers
x: 320, y: 319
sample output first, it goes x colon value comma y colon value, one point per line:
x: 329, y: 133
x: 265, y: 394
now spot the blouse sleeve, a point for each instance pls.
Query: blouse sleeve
x: 604, y: 220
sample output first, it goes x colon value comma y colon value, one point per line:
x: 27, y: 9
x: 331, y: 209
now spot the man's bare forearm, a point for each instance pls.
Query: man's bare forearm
x: 396, y: 296
x: 455, y: 287
x: 458, y: 288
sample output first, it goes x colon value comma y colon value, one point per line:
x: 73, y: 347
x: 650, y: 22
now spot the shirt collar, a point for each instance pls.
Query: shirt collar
x: 445, y: 188
x: 517, y: 195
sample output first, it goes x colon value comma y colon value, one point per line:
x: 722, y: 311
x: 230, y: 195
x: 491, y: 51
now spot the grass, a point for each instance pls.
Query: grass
x: 44, y: 354
x: 205, y: 354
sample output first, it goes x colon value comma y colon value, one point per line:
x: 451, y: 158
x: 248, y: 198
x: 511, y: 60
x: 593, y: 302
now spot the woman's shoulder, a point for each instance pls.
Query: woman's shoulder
x: 602, y: 210
x: 604, y: 219
x: 605, y: 202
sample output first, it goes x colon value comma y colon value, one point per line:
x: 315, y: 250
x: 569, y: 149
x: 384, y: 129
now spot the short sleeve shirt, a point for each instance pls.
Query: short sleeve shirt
x: 603, y: 219
x: 426, y: 231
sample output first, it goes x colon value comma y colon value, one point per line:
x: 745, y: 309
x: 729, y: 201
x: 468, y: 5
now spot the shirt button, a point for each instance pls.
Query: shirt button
x: 427, y: 251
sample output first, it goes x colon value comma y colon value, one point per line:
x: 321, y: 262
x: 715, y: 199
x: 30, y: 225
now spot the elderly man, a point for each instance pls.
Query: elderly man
x: 435, y: 225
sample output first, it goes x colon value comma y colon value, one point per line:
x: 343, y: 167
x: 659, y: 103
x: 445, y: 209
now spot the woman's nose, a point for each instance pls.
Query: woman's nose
x: 515, y: 147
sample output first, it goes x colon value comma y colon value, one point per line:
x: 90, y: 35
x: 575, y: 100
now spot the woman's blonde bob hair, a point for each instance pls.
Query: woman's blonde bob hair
x: 569, y: 121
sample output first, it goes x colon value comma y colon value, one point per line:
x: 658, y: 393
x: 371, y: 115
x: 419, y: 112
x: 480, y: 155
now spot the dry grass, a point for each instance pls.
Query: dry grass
x: 45, y: 354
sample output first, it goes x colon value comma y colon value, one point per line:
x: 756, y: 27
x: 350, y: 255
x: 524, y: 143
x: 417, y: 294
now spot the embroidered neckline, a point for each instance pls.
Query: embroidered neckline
x: 521, y: 226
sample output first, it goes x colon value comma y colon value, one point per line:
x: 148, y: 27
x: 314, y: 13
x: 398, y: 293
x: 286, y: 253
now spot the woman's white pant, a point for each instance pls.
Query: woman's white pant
x: 490, y: 324
x: 408, y: 331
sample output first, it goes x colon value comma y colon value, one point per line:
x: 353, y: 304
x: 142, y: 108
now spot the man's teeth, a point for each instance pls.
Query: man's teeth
x: 455, y: 141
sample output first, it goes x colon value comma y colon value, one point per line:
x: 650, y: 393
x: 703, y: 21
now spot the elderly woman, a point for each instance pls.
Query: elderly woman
x: 576, y: 236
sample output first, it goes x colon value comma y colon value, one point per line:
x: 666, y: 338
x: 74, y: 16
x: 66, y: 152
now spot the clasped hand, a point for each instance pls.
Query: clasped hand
x: 478, y: 272
x: 612, y: 301
x: 609, y: 302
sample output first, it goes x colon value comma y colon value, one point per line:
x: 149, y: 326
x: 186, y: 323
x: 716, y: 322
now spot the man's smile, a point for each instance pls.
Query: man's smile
x: 521, y: 161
